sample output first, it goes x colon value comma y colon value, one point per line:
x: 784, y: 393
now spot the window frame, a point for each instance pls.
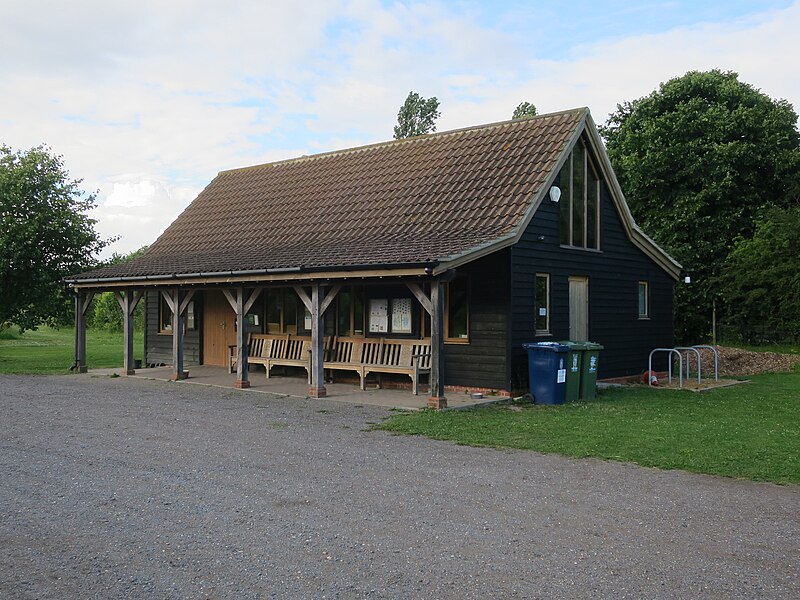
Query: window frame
x: 357, y: 295
x: 642, y: 284
x: 189, y: 322
x: 299, y: 323
x: 590, y: 171
x: 447, y: 338
x: 537, y: 307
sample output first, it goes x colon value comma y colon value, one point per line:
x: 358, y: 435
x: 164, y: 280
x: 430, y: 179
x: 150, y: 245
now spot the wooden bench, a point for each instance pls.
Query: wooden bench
x: 344, y: 354
x: 365, y: 356
x: 359, y: 355
x: 294, y: 351
x: 259, y: 348
x: 408, y: 357
x: 272, y: 350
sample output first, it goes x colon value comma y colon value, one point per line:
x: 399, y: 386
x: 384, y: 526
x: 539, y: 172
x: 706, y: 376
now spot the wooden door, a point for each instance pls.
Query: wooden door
x: 219, y: 328
x: 579, y: 308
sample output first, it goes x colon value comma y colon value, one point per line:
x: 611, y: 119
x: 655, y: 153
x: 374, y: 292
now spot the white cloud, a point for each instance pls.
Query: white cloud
x: 149, y: 100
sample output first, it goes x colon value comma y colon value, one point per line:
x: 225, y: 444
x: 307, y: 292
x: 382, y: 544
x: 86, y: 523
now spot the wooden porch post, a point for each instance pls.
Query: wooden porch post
x: 242, y: 371
x: 317, y: 305
x: 177, y: 335
x: 437, y: 398
x: 80, y: 331
x: 241, y: 306
x: 128, y: 300
x: 317, y: 389
x: 177, y: 302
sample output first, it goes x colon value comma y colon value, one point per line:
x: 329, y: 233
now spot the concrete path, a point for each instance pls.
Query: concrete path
x: 297, y: 387
x: 129, y: 488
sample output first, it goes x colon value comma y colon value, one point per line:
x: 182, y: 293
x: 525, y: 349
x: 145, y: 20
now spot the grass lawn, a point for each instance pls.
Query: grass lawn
x: 750, y: 431
x: 50, y: 351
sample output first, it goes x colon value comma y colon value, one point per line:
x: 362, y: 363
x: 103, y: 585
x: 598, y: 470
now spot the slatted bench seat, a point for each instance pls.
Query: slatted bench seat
x: 272, y: 350
x: 295, y: 351
x: 344, y: 354
x: 365, y: 356
x: 408, y: 357
x: 260, y: 347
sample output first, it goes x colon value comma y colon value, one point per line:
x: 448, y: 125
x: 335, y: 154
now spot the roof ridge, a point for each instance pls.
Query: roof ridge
x: 415, y: 139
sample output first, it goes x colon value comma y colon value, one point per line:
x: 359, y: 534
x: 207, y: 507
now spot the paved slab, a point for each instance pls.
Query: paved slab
x: 129, y: 488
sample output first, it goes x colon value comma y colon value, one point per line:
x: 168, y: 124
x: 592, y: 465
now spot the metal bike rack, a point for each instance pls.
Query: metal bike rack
x: 694, y: 349
x: 716, y: 358
x: 669, y: 364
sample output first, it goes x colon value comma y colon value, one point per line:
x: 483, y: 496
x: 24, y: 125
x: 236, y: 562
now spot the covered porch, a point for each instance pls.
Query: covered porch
x: 315, y: 298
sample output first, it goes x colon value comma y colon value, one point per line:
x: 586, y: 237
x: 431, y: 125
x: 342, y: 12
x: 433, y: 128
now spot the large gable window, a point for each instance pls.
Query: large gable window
x: 580, y: 205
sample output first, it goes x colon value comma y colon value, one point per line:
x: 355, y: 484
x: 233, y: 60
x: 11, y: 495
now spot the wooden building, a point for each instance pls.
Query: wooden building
x: 475, y: 240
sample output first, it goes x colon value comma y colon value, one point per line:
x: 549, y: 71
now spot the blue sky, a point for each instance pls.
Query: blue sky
x: 147, y: 101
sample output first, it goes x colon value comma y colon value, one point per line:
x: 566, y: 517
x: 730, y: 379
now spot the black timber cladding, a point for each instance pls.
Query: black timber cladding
x: 483, y: 362
x: 158, y: 346
x: 613, y: 272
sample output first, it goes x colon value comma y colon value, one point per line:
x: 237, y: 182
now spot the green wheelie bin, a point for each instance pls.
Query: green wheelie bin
x: 574, y: 364
x: 588, y: 362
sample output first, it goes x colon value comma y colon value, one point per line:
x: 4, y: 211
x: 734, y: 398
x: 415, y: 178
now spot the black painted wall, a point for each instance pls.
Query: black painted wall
x: 484, y: 361
x: 158, y: 346
x: 613, y: 272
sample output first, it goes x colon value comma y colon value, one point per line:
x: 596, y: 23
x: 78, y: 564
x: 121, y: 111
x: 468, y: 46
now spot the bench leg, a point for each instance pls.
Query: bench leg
x: 414, y: 382
x: 266, y: 368
x: 363, y: 376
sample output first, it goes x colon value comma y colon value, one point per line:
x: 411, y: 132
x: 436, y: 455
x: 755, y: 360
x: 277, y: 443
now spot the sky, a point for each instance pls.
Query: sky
x: 148, y: 100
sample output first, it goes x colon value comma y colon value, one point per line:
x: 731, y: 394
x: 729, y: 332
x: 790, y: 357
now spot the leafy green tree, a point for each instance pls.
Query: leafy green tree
x: 45, y: 235
x: 105, y: 312
x: 524, y: 110
x: 761, y: 281
x: 417, y: 116
x: 699, y: 159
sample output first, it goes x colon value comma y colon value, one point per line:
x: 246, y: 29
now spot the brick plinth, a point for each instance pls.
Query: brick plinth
x: 83, y: 369
x: 241, y: 384
x: 317, y: 392
x: 437, y: 402
x: 179, y: 376
x: 130, y: 372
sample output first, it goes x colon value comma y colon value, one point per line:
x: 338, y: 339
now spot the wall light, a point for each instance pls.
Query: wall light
x: 555, y: 193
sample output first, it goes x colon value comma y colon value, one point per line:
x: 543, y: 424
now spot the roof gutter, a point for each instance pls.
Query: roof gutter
x: 428, y: 267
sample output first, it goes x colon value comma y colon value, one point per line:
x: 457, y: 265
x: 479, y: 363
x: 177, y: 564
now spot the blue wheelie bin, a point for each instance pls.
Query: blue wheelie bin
x: 547, y: 371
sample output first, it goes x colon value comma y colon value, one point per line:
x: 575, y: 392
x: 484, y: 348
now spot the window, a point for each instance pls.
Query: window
x: 282, y: 304
x: 350, y: 312
x: 456, y: 321
x: 542, y: 303
x: 580, y: 205
x: 165, y: 316
x: 644, y: 300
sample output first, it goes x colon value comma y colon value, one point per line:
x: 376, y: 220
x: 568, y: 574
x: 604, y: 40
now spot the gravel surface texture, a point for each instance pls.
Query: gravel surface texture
x: 127, y: 488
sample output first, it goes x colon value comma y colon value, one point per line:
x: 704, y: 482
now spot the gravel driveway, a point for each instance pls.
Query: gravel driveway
x: 128, y: 488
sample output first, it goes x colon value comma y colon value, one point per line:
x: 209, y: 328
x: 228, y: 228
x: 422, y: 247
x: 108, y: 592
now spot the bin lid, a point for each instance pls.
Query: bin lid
x: 546, y: 346
x: 581, y: 345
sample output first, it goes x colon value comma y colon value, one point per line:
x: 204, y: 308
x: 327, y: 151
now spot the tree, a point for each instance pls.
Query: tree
x: 105, y: 312
x: 45, y: 235
x: 699, y: 160
x: 761, y: 281
x: 524, y: 110
x: 417, y: 116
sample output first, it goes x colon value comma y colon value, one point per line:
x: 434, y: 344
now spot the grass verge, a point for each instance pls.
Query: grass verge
x: 52, y: 351
x: 749, y: 431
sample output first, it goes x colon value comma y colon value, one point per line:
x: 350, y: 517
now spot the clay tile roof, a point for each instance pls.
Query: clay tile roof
x: 413, y: 201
